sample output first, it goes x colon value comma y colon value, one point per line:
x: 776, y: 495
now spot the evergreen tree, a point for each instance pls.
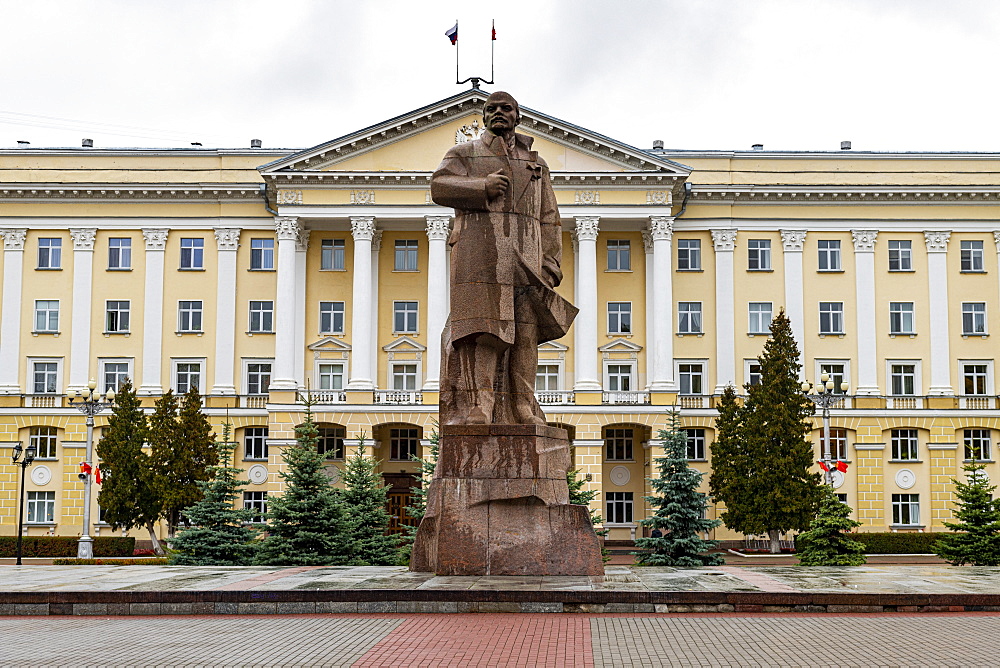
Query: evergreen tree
x: 418, y: 494
x: 127, y: 494
x: 582, y: 497
x: 679, y: 509
x: 978, y: 517
x: 825, y: 544
x: 219, y: 535
x: 306, y: 524
x: 727, y: 453
x: 365, y: 498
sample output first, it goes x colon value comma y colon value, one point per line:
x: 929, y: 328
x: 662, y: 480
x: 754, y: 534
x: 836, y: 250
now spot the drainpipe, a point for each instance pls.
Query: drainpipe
x: 684, y: 203
x: 262, y: 189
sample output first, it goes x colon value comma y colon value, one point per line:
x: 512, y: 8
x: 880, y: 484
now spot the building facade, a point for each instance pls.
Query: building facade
x: 259, y: 274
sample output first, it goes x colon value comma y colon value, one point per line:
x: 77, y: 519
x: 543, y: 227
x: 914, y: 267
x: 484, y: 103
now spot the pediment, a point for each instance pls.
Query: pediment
x: 330, y: 343
x: 404, y: 344
x: 552, y: 346
x: 620, y: 346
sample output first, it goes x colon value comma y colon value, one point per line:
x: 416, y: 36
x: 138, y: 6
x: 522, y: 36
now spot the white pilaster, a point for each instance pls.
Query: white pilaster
x: 362, y: 335
x: 10, y: 316
x: 152, y: 312
x: 864, y: 260
x: 937, y: 302
x: 299, y: 347
x: 791, y: 244
x: 661, y: 229
x: 283, y: 374
x: 438, y: 228
x: 724, y: 242
x: 647, y: 246
x: 83, y: 290
x: 227, y: 241
x: 585, y: 339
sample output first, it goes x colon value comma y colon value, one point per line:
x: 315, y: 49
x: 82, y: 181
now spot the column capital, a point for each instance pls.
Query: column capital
x: 864, y: 240
x: 937, y: 241
x: 438, y: 227
x: 647, y: 241
x: 587, y: 228
x: 227, y: 238
x: 156, y: 238
x: 13, y: 238
x: 996, y: 239
x: 362, y: 227
x: 724, y: 240
x: 376, y: 240
x: 661, y: 228
x: 286, y: 227
x: 83, y: 238
x: 792, y: 240
x: 302, y: 239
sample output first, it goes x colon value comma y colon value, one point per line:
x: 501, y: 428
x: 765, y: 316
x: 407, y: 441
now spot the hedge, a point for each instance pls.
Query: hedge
x: 111, y: 562
x: 899, y: 543
x: 65, y: 546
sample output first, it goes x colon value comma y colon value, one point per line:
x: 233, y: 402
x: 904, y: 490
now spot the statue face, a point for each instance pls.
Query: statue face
x: 501, y: 116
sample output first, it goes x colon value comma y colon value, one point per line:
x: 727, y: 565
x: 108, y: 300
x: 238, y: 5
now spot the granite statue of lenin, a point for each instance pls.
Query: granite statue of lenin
x: 506, y: 249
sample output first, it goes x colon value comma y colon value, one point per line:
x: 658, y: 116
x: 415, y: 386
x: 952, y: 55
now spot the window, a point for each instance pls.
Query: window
x: 403, y: 444
x: 41, y: 507
x: 753, y: 372
x: 331, y: 442
x: 331, y: 376
x: 759, y: 254
x: 974, y: 378
x: 618, y: 444
x: 900, y: 255
x: 116, y: 316
x: 977, y: 444
x: 689, y: 254
x: 113, y: 374
x: 829, y: 255
x: 619, y: 255
x: 331, y: 317
x: 837, y: 371
x: 760, y: 318
x: 331, y: 255
x: 619, y: 317
x: 404, y: 320
x: 689, y: 317
x: 901, y: 317
x: 45, y: 377
x: 256, y: 502
x: 47, y: 315
x: 972, y: 256
x: 904, y: 443
x: 186, y: 376
x: 49, y: 253
x: 189, y: 316
x: 695, y: 443
x: 547, y: 378
x: 119, y: 253
x: 406, y: 255
x: 902, y: 379
x: 619, y: 377
x: 906, y: 509
x: 691, y: 378
x: 619, y: 507
x: 255, y: 443
x: 261, y: 317
x: 831, y: 317
x: 973, y: 318
x: 261, y: 254
x: 44, y: 440
x: 404, y: 377
x: 258, y: 377
x: 842, y: 498
x: 838, y: 443
x: 192, y: 253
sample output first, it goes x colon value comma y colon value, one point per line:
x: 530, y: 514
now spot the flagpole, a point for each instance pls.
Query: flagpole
x: 456, y: 53
x: 493, y: 43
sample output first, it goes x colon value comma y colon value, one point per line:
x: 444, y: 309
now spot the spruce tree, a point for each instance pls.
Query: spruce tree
x: 127, y: 494
x: 978, y: 517
x: 679, y: 509
x: 219, y: 535
x: 724, y: 482
x: 365, y: 498
x: 306, y: 524
x: 825, y: 543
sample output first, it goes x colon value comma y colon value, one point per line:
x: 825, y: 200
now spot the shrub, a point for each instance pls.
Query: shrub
x: 897, y: 543
x: 161, y: 561
x: 65, y: 546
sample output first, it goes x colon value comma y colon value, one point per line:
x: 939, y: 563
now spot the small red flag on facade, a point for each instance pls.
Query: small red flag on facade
x: 494, y: 31
x: 823, y: 466
x: 97, y: 474
x: 842, y: 467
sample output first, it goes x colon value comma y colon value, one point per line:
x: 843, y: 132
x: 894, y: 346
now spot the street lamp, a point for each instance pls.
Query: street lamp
x: 822, y: 394
x: 29, y: 456
x: 90, y: 403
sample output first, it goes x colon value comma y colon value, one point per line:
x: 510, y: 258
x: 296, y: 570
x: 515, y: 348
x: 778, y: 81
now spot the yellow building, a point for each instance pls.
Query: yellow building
x: 258, y: 273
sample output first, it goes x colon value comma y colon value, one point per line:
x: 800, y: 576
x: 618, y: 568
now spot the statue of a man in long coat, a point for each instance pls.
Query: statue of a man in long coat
x: 506, y: 250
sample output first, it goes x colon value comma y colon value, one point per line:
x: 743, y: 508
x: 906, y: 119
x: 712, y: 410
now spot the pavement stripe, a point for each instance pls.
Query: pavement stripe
x: 759, y: 580
x: 263, y: 578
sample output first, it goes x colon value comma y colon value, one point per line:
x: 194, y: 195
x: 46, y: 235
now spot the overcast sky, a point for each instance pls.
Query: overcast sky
x: 698, y: 74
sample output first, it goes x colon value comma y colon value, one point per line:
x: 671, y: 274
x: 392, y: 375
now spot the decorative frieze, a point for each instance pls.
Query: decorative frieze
x: 792, y: 240
x: 362, y: 197
x: 13, y: 238
x: 724, y: 240
x: 156, y: 238
x: 227, y: 238
x: 587, y: 197
x: 937, y: 241
x: 659, y: 197
x: 289, y: 197
x: 83, y: 238
x: 864, y: 240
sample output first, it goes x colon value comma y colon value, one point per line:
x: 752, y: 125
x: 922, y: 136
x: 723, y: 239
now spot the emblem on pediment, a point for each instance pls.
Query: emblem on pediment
x: 658, y: 197
x: 469, y: 132
x: 289, y: 197
x: 362, y: 197
x: 588, y: 197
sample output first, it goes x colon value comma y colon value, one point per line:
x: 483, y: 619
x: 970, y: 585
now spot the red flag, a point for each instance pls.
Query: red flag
x: 85, y: 468
x: 97, y: 474
x: 823, y: 466
x: 842, y: 467
x: 494, y: 31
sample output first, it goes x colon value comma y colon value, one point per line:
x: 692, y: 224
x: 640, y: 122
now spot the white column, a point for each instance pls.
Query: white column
x: 864, y: 276
x: 283, y: 372
x: 647, y: 246
x: 585, y: 339
x: 438, y: 228
x: 376, y: 249
x: 362, y: 377
x: 299, y: 347
x: 724, y: 242
x: 83, y: 290
x: 152, y: 312
x: 937, y: 302
x: 661, y: 229
x: 791, y: 243
x: 10, y: 316
x: 227, y: 241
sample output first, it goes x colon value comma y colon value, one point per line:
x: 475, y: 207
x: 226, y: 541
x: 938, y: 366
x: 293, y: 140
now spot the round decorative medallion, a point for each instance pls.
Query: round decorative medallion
x: 620, y: 476
x: 980, y: 475
x: 838, y: 479
x: 257, y: 474
x: 333, y: 473
x: 41, y: 475
x: 905, y: 479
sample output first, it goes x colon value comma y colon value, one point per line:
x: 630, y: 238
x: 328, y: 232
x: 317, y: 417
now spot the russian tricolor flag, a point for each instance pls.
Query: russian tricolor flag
x: 452, y: 33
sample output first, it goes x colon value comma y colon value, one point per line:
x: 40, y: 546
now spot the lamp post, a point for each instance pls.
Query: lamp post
x: 29, y: 456
x: 90, y: 403
x: 822, y: 394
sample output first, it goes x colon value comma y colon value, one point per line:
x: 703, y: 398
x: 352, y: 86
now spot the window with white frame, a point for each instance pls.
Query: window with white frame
x: 903, y: 379
x: 831, y: 317
x: 331, y: 256
x: 261, y: 254
x: 255, y: 444
x: 689, y: 318
x: 973, y: 318
x: 116, y: 316
x: 619, y: 317
x: 406, y: 255
x: 404, y: 444
x: 619, y: 507
x: 620, y: 377
x: 331, y: 375
x: 900, y: 255
x: 404, y: 376
x: 41, y: 507
x: 49, y: 253
x: 619, y: 255
x: 114, y: 373
x: 689, y: 255
x: 258, y: 377
x: 906, y: 509
x: 977, y: 444
x: 261, y: 317
x: 44, y: 376
x: 838, y: 443
x: 904, y: 445
x: 119, y: 253
x: 44, y: 440
x: 975, y: 378
x: 837, y: 372
x: 760, y: 317
x: 189, y: 314
x: 901, y: 317
x: 404, y: 317
x: 751, y: 373
x: 829, y: 255
x: 547, y: 378
x: 331, y: 317
x: 187, y: 374
x: 972, y: 256
x: 759, y: 254
x: 695, y: 444
x: 330, y: 442
x: 47, y: 315
x: 618, y: 444
x: 256, y: 502
x: 691, y: 376
x: 192, y: 253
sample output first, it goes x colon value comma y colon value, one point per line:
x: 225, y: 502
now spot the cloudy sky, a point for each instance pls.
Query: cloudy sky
x: 698, y: 74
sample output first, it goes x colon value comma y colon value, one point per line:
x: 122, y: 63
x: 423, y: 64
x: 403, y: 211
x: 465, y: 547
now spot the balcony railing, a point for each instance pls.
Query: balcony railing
x: 398, y: 398
x: 905, y: 403
x: 44, y: 400
x: 329, y: 396
x: 254, y: 401
x: 555, y: 397
x: 694, y: 401
x: 976, y: 403
x: 626, y: 398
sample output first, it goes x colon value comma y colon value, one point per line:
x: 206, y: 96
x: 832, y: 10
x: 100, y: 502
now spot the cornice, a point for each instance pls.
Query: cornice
x: 410, y: 180
x: 139, y: 191
x: 827, y: 194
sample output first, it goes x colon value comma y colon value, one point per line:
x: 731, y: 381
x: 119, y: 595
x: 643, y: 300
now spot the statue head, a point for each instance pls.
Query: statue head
x: 501, y: 113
